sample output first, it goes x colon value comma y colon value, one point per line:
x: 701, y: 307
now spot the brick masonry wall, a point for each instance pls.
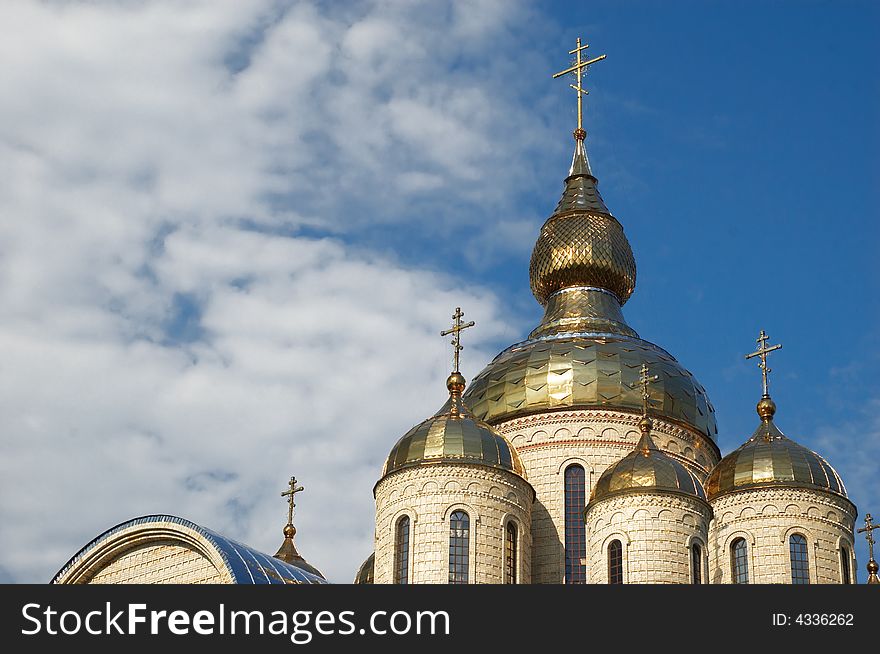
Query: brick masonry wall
x: 549, y: 442
x: 656, y: 531
x: 428, y: 495
x: 766, y: 517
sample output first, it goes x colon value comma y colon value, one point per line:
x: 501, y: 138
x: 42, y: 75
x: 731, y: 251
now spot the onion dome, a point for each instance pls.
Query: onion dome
x: 768, y: 459
x: 365, y: 572
x: 583, y: 354
x: 646, y: 468
x: 453, y: 435
x: 582, y: 244
x: 287, y: 552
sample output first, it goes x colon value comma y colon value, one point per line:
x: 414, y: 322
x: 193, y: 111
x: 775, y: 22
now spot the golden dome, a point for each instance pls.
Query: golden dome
x: 646, y: 469
x: 365, y: 572
x: 587, y: 370
x: 582, y: 244
x: 768, y: 458
x: 453, y: 435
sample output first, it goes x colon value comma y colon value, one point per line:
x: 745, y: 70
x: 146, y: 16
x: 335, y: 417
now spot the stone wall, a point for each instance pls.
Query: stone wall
x: 766, y: 518
x: 594, y: 438
x: 656, y: 531
x: 428, y: 495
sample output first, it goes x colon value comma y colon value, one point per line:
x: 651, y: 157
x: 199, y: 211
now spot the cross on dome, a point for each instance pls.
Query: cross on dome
x: 455, y: 330
x: 579, y: 69
x: 762, y: 351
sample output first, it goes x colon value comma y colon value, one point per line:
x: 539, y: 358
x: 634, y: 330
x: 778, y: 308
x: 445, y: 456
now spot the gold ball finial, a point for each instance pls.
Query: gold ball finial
x: 766, y: 408
x: 289, y: 531
x: 456, y: 383
x: 645, y: 424
x: 580, y: 134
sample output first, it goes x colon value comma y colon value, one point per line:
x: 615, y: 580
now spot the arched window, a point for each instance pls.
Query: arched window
x: 401, y: 551
x: 697, y: 563
x: 844, y: 565
x: 575, y: 530
x: 739, y: 561
x: 800, y: 563
x: 510, y: 553
x: 615, y: 562
x: 459, y: 547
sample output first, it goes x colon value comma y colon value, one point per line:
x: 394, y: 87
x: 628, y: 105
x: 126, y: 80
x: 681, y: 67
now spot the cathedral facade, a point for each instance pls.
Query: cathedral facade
x: 582, y: 454
x: 588, y: 454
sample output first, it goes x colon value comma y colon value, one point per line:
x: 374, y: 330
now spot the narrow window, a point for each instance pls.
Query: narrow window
x: 401, y: 551
x: 844, y: 564
x: 697, y: 563
x: 459, y: 542
x: 615, y: 562
x: 800, y: 564
x: 739, y: 561
x: 575, y: 530
x: 510, y: 544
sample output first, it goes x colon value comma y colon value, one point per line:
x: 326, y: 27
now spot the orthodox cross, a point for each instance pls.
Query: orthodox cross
x: 292, y: 490
x: 868, y: 530
x: 579, y: 68
x: 762, y: 351
x: 456, y: 330
x: 645, y: 380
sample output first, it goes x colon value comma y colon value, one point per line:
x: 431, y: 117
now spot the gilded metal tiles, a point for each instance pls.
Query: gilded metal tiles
x: 582, y: 372
x: 582, y: 249
x: 646, y: 468
x: 769, y: 458
x: 453, y: 435
x: 365, y: 573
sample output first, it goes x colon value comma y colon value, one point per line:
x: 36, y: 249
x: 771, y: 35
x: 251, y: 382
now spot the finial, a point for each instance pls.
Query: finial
x: 645, y: 423
x: 456, y: 330
x: 579, y: 69
x: 287, y: 552
x: 292, y: 489
x: 766, y: 407
x: 868, y: 530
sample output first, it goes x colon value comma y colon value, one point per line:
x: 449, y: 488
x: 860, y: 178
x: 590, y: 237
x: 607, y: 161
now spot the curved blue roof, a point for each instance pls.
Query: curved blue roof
x: 244, y: 564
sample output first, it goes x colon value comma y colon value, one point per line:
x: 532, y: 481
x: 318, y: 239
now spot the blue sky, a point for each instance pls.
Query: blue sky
x: 232, y: 231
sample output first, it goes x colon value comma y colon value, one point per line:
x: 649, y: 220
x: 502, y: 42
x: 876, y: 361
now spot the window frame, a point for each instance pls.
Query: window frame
x: 574, y: 501
x: 614, y: 548
x: 735, y: 576
x: 401, y: 559
x: 459, y: 555
x: 799, y: 561
x: 511, y: 552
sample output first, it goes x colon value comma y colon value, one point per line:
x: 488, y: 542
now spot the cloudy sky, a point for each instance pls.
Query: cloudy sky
x: 230, y: 233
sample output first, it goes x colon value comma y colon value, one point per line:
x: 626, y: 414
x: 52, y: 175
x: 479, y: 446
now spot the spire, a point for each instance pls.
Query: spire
x: 455, y: 383
x: 868, y: 530
x: 766, y: 407
x: 287, y: 552
x: 582, y: 268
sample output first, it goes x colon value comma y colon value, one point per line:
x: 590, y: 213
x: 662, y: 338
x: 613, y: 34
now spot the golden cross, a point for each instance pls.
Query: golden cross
x: 868, y: 530
x: 456, y: 330
x: 292, y: 490
x: 579, y: 68
x: 645, y: 380
x: 762, y: 352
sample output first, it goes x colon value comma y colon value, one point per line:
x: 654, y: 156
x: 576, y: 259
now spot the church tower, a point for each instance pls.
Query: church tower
x: 452, y: 504
x: 781, y: 511
x: 567, y: 397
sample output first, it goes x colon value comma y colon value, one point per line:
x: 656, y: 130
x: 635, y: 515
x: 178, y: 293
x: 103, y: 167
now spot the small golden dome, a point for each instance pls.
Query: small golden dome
x: 453, y: 435
x: 769, y: 458
x: 646, y: 469
x: 365, y: 572
x: 582, y: 244
x: 587, y: 371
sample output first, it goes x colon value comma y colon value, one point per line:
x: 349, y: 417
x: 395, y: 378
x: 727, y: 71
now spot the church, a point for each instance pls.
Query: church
x: 582, y: 454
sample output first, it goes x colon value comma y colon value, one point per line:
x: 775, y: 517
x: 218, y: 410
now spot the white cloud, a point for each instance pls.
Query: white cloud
x: 158, y: 355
